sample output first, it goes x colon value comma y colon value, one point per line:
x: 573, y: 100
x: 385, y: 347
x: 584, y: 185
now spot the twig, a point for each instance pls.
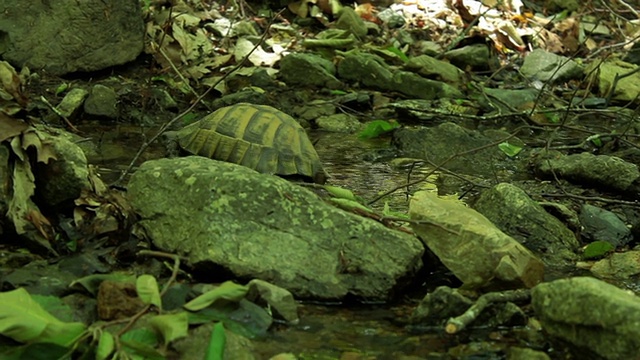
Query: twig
x: 57, y: 112
x: 457, y: 324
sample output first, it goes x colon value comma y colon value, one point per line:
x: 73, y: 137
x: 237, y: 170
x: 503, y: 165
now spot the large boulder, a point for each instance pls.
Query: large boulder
x: 227, y: 218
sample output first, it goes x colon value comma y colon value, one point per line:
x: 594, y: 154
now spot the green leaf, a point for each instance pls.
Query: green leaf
x: 337, y: 92
x: 376, y: 128
x: 392, y: 213
x: 509, y: 149
x: 172, y: 326
x: 106, y: 345
x: 553, y: 118
x: 341, y: 193
x: 24, y: 320
x: 61, y: 88
x: 147, y: 289
x: 215, y: 349
x: 597, y: 249
x: 226, y: 291
x: 398, y: 52
x: 595, y: 140
x: 141, y: 342
x: 350, y: 205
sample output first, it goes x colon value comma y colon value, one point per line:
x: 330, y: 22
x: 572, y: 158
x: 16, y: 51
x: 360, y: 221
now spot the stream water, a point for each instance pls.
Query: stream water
x: 326, y: 331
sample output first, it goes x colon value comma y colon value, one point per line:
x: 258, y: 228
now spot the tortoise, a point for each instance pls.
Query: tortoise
x: 259, y: 137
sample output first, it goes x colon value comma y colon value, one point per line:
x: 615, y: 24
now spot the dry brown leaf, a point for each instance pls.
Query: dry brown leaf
x: 11, y: 84
x: 10, y: 127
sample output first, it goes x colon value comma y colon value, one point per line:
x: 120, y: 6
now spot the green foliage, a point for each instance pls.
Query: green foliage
x: 215, y: 350
x: 106, y: 346
x: 595, y: 140
x: 61, y: 88
x: 597, y: 249
x: 171, y: 327
x: 509, y: 149
x: 24, y: 320
x: 342, y: 193
x: 376, y: 128
x: 147, y: 288
x: 226, y: 291
x: 394, y: 50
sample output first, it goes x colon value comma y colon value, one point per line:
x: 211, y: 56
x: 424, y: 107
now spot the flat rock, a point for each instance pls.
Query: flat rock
x: 590, y: 314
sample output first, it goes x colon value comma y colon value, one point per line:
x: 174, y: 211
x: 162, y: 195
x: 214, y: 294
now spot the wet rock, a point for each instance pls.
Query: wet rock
x: 515, y: 213
x: 433, y: 68
x: 602, y: 171
x: 627, y: 88
x: 516, y: 99
x: 71, y: 104
x: 476, y: 57
x: 62, y: 180
x: 603, y: 225
x: 549, y: 67
x: 223, y: 216
x: 440, y: 305
x: 590, y: 314
x: 349, y: 20
x: 440, y: 143
x: 38, y: 277
x: 618, y: 266
x: 516, y: 353
x: 279, y: 300
x: 372, y: 71
x: 469, y: 245
x: 102, y: 102
x: 194, y: 346
x: 309, y: 70
x: 71, y: 36
x: 391, y: 18
x: 343, y: 123
x: 245, y: 96
x: 312, y: 111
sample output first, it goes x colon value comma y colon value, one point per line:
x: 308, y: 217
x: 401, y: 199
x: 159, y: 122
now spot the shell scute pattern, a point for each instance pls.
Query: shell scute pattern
x: 256, y: 136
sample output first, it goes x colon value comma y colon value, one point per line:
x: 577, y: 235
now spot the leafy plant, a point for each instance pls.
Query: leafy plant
x: 597, y: 249
x: 509, y: 149
x: 376, y: 128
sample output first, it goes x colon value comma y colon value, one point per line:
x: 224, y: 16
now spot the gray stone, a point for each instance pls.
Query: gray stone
x: 371, y: 70
x: 515, y: 213
x: 603, y: 225
x: 545, y: 66
x: 102, y: 102
x: 225, y: 216
x: 349, y: 20
x: 474, y: 56
x: 432, y: 68
x: 621, y: 265
x: 439, y: 143
x: 308, y: 70
x: 62, y: 180
x: 590, y: 314
x: 469, y: 245
x: 66, y: 36
x: 343, y: 123
x: 71, y: 104
x: 602, y: 171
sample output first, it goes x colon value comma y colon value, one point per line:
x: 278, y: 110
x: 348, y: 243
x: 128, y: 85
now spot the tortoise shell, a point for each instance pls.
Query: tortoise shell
x: 256, y: 136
